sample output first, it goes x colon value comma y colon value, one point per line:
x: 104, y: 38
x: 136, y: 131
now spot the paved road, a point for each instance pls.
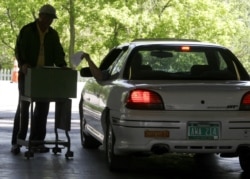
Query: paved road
x: 90, y: 164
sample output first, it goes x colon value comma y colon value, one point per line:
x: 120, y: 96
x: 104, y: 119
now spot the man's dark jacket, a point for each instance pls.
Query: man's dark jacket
x: 28, y: 45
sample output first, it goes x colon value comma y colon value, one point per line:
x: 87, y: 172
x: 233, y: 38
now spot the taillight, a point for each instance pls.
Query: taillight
x: 245, y: 102
x: 144, y: 99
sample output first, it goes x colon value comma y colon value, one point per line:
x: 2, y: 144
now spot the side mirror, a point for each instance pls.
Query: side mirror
x: 85, y: 72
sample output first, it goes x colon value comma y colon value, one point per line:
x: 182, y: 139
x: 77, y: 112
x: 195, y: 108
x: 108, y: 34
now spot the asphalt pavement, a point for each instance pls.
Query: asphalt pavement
x: 90, y: 164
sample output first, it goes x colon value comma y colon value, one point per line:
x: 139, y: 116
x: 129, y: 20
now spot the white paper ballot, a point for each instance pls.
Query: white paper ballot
x: 76, y: 58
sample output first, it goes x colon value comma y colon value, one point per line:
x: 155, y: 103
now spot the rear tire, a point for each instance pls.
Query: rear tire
x: 115, y: 162
x: 244, y: 159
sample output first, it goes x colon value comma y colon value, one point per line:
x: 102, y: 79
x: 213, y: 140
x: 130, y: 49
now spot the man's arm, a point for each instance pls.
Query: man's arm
x: 59, y: 51
x: 19, y: 53
x: 96, y: 72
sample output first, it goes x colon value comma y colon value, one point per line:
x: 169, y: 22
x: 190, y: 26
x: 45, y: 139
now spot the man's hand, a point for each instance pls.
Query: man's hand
x: 86, y: 56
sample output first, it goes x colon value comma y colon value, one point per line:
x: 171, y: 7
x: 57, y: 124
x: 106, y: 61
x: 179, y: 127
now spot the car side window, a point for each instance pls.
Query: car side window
x: 108, y: 64
x: 117, y: 65
x: 110, y: 58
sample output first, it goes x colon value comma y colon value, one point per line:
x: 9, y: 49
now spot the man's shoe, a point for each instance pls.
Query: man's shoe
x: 43, y: 149
x: 15, y: 149
x: 40, y: 149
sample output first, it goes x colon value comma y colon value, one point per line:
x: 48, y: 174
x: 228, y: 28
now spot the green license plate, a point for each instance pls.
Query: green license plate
x: 203, y: 131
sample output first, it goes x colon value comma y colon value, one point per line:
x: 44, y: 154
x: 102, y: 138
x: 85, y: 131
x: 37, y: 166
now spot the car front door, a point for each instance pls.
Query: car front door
x: 96, y: 92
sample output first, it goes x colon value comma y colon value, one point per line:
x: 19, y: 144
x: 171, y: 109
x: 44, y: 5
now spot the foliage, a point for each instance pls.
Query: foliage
x: 98, y: 25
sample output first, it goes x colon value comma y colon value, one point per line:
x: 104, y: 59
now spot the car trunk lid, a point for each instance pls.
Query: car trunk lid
x: 199, y: 95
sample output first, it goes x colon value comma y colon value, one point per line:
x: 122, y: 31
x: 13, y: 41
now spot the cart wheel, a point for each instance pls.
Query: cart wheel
x: 69, y: 154
x: 56, y: 150
x: 29, y: 154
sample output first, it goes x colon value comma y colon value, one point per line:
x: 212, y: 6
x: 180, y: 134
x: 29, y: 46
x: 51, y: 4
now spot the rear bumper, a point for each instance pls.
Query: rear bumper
x: 130, y: 140
x: 129, y: 132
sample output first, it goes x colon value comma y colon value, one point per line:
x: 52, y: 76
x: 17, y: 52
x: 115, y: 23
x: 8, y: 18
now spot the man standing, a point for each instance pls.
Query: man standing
x: 37, y: 45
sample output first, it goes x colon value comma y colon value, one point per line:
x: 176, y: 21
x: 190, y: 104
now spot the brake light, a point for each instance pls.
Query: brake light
x: 245, y: 102
x: 144, y: 99
x: 185, y: 48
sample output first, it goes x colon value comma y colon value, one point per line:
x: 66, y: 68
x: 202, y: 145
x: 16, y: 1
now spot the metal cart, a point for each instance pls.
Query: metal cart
x: 60, y: 85
x: 62, y: 121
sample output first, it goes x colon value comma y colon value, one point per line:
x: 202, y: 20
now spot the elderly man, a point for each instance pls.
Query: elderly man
x: 37, y: 45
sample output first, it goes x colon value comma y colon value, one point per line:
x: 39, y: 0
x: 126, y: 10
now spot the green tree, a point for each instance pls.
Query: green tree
x: 96, y: 26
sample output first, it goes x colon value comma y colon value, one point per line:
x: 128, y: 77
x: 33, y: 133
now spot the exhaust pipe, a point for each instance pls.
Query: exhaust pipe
x: 160, y: 149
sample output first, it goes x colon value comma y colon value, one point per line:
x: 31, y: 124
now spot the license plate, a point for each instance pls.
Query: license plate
x: 156, y: 134
x: 203, y: 131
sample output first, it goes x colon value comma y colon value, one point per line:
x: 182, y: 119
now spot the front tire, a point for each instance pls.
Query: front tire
x: 89, y: 142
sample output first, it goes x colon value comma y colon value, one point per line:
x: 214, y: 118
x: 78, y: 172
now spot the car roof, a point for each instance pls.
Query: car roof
x: 141, y: 42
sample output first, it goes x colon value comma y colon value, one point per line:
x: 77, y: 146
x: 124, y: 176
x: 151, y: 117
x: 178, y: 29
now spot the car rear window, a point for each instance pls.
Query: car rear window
x: 181, y: 63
